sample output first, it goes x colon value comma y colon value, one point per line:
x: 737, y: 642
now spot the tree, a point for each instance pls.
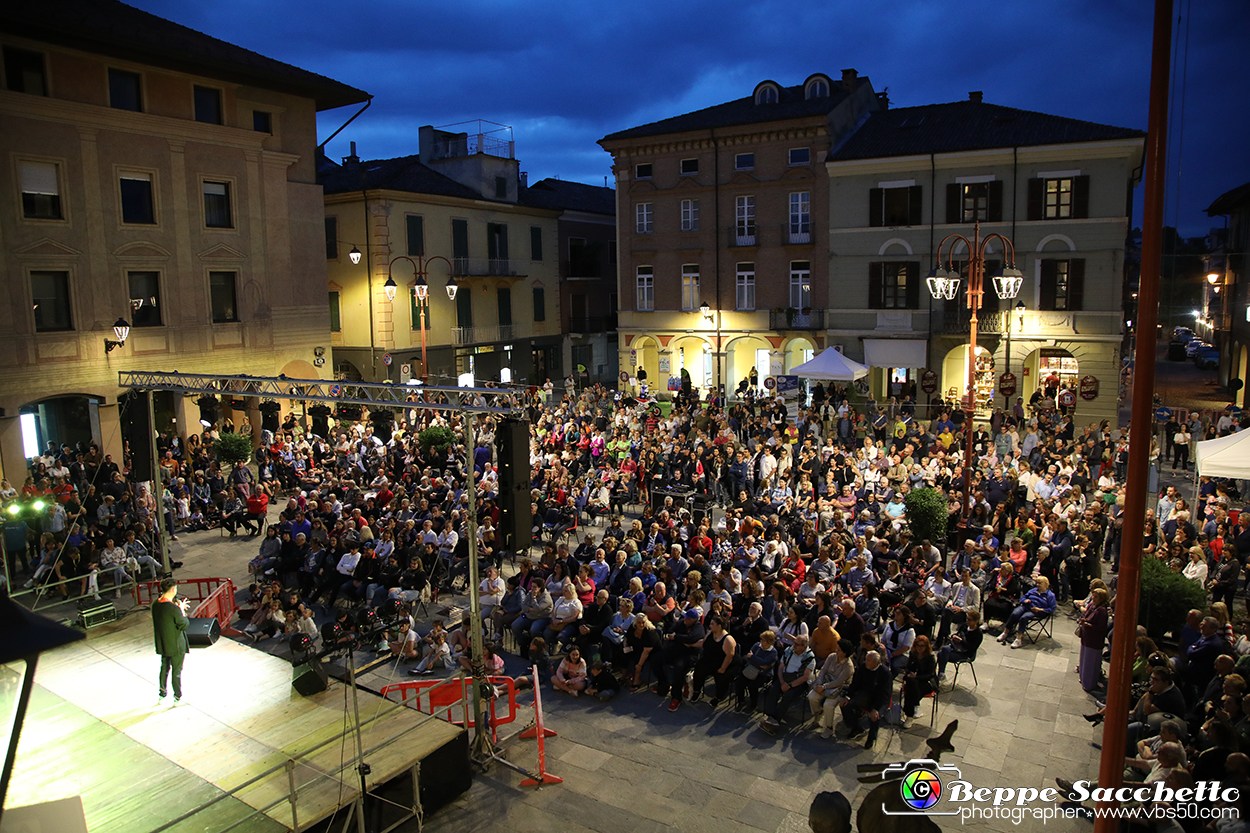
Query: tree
x: 1166, y: 598
x: 437, y: 438
x: 232, y: 448
x: 926, y: 515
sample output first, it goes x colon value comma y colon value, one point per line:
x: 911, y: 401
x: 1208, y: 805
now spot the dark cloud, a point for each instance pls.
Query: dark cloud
x: 565, y: 74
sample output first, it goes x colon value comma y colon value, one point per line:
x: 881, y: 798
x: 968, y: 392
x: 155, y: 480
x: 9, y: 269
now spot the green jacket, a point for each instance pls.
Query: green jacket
x: 169, y: 627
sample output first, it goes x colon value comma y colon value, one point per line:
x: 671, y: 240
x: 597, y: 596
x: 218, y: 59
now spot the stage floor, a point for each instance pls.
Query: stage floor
x: 95, y: 729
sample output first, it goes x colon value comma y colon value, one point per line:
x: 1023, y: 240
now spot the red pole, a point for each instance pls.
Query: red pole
x: 1119, y: 674
x: 970, y: 403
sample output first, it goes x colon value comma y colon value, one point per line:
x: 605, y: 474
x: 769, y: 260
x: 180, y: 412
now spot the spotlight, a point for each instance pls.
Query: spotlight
x: 390, y: 608
x: 347, y: 412
x: 383, y: 424
x: 269, y: 410
x: 320, y: 425
x: 209, y: 410
x: 366, y: 619
x: 300, y: 644
x: 330, y: 633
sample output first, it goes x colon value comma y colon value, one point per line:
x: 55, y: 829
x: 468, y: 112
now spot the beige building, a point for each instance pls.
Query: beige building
x: 721, y: 226
x: 459, y: 209
x: 1060, y: 189
x: 167, y: 179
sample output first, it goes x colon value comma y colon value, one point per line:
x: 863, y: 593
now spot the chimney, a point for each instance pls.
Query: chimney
x: 850, y: 80
x: 524, y: 177
x: 975, y: 96
x: 883, y: 99
x: 353, y: 159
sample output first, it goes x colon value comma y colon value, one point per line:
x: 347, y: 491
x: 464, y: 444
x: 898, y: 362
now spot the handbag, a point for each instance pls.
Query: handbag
x: 751, y: 672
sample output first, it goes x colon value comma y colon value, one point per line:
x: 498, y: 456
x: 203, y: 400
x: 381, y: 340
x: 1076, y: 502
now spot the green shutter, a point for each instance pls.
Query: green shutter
x: 413, y: 312
x: 875, y: 272
x: 1076, y: 284
x: 416, y: 235
x: 876, y: 200
x: 332, y: 238
x: 536, y: 243
x: 915, y: 205
x: 1080, y: 197
x: 994, y: 202
x: 1037, y: 199
x: 540, y: 304
x: 953, y: 207
x: 336, y: 324
x: 1046, y: 299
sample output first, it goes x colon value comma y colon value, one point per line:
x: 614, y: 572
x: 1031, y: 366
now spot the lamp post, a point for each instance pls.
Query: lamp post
x: 1019, y: 312
x: 422, y: 289
x: 944, y: 283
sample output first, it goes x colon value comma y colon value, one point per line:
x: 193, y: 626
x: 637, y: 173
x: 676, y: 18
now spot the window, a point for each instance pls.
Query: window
x: 1058, y: 199
x: 800, y: 156
x: 221, y: 292
x: 464, y: 309
x: 207, y: 105
x: 41, y: 191
x: 536, y: 243
x: 1059, y: 196
x: 967, y: 202
x: 336, y: 319
x: 136, y: 194
x: 124, y: 91
x: 24, y: 72
x: 746, y: 287
x: 642, y: 170
x: 801, y: 217
x: 1062, y: 285
x: 689, y: 166
x: 414, y: 231
x: 460, y: 246
x: 262, y: 122
x: 766, y: 94
x: 332, y: 238
x: 540, y: 304
x: 418, y: 314
x: 49, y: 293
x: 744, y: 162
x: 817, y: 88
x: 501, y: 187
x: 895, y: 205
x: 217, y: 205
x: 689, y: 215
x: 744, y: 218
x: 497, y: 248
x: 504, y: 296
x: 646, y: 289
x: 642, y: 218
x: 800, y: 284
x: 894, y: 285
x: 690, y: 287
x: 145, y: 298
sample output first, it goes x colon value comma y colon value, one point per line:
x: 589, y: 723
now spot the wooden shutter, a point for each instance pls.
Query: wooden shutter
x: 416, y: 235
x: 1046, y: 299
x: 1076, y: 283
x: 915, y: 205
x: 913, y: 284
x: 876, y: 200
x: 1037, y: 199
x: 994, y: 205
x: 1080, y: 197
x: 952, y: 203
x: 875, y: 272
x: 989, y: 299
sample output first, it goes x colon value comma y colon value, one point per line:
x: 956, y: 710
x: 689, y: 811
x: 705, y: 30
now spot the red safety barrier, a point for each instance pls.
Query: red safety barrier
x: 194, y: 589
x: 220, y: 605
x: 542, y: 733
x: 433, y: 695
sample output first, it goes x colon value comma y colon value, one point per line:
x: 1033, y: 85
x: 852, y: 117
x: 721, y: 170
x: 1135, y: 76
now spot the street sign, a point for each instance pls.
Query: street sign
x: 334, y: 390
x: 770, y: 382
x: 1162, y: 413
x: 928, y: 381
x: 386, y: 359
x: 624, y: 376
x: 1007, y: 384
x: 1067, y: 399
x: 1089, y: 388
x: 405, y: 370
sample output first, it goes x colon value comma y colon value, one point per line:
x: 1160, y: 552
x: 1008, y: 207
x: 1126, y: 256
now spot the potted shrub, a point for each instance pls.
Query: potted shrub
x: 232, y: 448
x: 1166, y: 598
x: 926, y: 515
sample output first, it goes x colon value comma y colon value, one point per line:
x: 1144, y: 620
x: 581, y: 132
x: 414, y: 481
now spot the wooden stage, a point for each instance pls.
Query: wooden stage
x: 95, y: 729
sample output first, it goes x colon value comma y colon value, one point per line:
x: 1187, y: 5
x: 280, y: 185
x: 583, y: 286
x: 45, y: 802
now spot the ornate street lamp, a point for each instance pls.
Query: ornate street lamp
x: 421, y: 288
x: 121, y: 329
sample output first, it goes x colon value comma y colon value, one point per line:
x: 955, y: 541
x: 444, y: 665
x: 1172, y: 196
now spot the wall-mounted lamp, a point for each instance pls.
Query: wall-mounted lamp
x: 1020, y: 314
x: 120, y: 329
x: 354, y: 254
x: 706, y: 309
x: 452, y: 289
x: 1213, y: 278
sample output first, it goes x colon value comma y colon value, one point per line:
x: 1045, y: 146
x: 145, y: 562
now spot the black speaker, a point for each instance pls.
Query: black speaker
x: 203, y: 631
x: 137, y: 433
x: 512, y: 450
x: 269, y: 416
x: 310, y: 678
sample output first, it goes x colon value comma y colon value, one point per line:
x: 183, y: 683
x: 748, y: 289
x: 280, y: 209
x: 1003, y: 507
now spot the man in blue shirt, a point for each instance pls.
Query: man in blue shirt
x: 1038, y: 603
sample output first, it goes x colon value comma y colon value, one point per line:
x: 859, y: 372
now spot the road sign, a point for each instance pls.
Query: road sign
x: 624, y: 376
x: 334, y: 390
x: 770, y: 382
x: 405, y: 370
x: 386, y: 359
x: 1162, y: 413
x: 1067, y: 399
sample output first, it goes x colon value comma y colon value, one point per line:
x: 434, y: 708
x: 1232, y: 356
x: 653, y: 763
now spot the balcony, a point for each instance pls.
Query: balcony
x: 488, y: 334
x: 796, y: 234
x: 792, y: 319
x: 593, y: 324
x: 956, y: 322
x: 743, y: 235
x: 474, y: 267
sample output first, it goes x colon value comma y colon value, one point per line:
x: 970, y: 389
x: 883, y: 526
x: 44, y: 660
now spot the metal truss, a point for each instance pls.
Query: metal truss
x: 332, y: 391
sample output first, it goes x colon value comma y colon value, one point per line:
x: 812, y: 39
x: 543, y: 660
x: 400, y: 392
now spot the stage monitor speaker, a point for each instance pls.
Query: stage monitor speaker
x: 310, y: 678
x: 512, y: 450
x: 137, y: 434
x: 203, y: 631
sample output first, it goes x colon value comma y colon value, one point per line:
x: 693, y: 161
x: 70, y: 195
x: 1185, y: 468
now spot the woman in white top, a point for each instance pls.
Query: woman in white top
x: 898, y: 638
x: 792, y: 627
x: 490, y: 592
x: 112, y: 558
x: 1196, y: 569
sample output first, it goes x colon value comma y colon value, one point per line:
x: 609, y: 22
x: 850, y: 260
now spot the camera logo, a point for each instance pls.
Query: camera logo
x: 921, y: 786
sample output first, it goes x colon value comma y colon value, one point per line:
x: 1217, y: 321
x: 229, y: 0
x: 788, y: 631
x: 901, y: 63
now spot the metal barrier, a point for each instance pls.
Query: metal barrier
x: 220, y: 605
x: 195, y: 589
x: 429, y: 696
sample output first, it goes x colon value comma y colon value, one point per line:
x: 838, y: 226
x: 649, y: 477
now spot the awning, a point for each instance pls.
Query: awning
x: 894, y: 352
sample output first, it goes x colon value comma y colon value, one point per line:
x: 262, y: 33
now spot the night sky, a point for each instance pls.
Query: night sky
x: 565, y: 74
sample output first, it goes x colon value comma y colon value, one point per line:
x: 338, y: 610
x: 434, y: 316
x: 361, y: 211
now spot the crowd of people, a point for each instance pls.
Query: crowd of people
x: 714, y: 549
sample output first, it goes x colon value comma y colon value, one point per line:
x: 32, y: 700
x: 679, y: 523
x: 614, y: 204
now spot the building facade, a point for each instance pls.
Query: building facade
x: 722, y: 245
x: 166, y: 179
x: 1228, y: 294
x: 458, y: 211
x: 1058, y: 188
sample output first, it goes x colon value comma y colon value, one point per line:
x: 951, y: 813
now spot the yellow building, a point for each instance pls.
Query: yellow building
x: 166, y: 179
x: 457, y: 210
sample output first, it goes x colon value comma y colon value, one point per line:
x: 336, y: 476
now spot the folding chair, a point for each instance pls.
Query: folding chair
x: 1035, y: 629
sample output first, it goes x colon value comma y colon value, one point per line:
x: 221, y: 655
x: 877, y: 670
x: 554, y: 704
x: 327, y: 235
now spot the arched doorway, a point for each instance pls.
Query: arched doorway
x: 798, y: 351
x: 955, y: 376
x: 64, y: 420
x: 1050, y: 368
x: 645, y: 351
x: 743, y: 354
x: 695, y: 356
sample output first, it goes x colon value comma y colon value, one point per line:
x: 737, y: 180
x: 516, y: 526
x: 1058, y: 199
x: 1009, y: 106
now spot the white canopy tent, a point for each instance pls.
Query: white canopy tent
x: 1224, y: 456
x: 832, y: 366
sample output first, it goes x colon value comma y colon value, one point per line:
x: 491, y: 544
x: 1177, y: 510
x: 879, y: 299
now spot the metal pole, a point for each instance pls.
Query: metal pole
x: 481, y: 734
x: 19, y: 715
x: 421, y: 314
x: 970, y: 403
x: 373, y: 354
x: 361, y: 767
x: 1120, y: 671
x: 157, y: 489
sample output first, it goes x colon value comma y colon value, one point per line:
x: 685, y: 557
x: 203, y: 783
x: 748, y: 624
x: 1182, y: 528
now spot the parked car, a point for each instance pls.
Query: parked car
x: 1207, y: 357
x: 1192, y: 347
x: 1176, y: 351
x: 1182, y: 334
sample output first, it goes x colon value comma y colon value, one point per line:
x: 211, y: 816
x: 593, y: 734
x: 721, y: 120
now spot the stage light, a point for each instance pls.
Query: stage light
x: 300, y: 643
x: 367, y: 619
x: 320, y: 426
x: 14, y: 509
x: 269, y: 410
x: 383, y: 422
x: 209, y: 410
x: 390, y: 608
x: 38, y: 505
x: 330, y: 633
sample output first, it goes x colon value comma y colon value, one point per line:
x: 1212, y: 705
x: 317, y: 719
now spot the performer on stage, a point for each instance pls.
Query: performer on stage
x: 169, y: 626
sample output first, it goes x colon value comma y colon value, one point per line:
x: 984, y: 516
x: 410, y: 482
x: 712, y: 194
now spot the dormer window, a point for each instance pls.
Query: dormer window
x: 817, y: 88
x: 767, y: 93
